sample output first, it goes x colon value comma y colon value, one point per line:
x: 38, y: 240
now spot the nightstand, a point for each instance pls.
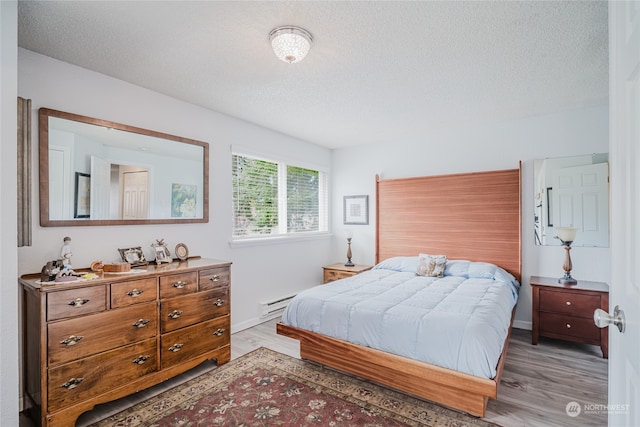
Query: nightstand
x: 566, y: 311
x: 340, y: 271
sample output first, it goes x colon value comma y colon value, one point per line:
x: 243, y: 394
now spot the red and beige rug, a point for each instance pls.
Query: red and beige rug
x: 266, y: 388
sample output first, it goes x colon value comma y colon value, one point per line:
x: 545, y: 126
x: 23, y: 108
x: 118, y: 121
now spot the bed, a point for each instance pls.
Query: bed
x: 473, y: 219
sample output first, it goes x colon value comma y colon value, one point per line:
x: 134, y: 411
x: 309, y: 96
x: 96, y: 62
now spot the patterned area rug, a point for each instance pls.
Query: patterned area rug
x: 266, y: 388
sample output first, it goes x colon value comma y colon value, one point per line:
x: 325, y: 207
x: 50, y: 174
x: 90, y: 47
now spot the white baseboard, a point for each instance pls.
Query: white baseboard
x: 521, y: 324
x: 237, y: 327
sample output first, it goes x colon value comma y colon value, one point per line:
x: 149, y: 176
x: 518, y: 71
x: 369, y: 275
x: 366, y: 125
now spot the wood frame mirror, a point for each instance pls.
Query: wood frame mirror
x: 134, y: 176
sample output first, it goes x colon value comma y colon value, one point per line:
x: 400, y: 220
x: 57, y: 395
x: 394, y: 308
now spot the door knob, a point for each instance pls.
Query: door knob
x: 603, y: 319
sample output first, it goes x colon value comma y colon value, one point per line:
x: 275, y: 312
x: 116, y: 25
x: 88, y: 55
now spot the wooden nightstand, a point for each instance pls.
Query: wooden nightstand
x: 566, y: 311
x: 340, y: 271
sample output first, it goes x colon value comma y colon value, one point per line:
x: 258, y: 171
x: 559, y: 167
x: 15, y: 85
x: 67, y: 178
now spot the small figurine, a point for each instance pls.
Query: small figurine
x: 97, y: 265
x: 50, y: 271
x: 66, y: 252
x: 66, y: 274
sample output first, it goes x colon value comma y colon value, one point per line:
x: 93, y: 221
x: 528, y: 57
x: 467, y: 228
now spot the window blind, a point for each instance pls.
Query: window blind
x: 273, y: 198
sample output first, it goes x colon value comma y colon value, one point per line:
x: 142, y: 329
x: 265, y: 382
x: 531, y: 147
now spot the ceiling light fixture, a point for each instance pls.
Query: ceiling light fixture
x: 290, y: 44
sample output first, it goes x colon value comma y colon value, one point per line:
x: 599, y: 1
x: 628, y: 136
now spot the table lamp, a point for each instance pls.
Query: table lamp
x: 567, y: 235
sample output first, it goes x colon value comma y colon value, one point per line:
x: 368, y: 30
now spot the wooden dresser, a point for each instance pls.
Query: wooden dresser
x: 566, y: 311
x: 90, y: 342
x: 340, y: 271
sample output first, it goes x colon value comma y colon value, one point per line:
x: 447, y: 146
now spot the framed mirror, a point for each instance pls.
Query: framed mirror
x: 97, y: 172
x: 572, y: 192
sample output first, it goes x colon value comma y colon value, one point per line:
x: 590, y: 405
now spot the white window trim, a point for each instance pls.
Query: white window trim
x: 242, y: 242
x: 284, y: 236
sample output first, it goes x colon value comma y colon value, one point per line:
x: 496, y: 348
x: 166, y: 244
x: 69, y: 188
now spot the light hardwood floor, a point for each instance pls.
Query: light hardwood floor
x: 537, y: 382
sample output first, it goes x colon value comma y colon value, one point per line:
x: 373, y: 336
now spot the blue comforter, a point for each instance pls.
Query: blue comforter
x: 459, y: 321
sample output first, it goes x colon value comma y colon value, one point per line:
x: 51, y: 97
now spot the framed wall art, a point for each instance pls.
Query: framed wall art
x: 356, y: 210
x: 183, y: 200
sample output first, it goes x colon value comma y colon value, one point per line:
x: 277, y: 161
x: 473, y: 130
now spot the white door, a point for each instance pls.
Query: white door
x: 135, y: 196
x: 100, y: 188
x: 580, y: 198
x: 59, y: 183
x: 624, y: 105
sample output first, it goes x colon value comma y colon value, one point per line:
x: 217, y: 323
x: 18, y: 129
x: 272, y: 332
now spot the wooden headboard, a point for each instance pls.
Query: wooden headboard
x: 473, y: 216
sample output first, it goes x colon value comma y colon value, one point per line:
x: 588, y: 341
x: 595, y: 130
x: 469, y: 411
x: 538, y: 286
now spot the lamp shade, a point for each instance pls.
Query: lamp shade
x: 566, y: 234
x: 290, y: 44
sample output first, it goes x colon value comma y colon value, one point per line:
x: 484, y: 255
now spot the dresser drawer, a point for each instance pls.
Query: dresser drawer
x: 569, y: 326
x: 76, y: 302
x: 178, y: 284
x: 571, y: 303
x: 193, y: 341
x: 332, y: 275
x: 134, y: 292
x: 77, y: 381
x: 81, y: 337
x: 184, y: 311
x: 214, y: 278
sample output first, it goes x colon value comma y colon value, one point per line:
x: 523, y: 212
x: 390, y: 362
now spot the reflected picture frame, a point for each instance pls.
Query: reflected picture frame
x: 82, y: 196
x: 356, y: 210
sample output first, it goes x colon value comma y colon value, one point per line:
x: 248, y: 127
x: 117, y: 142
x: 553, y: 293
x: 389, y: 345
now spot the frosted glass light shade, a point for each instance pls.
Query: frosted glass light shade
x: 566, y: 234
x: 290, y: 44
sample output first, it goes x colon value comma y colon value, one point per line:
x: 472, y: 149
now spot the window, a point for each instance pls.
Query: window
x: 272, y: 198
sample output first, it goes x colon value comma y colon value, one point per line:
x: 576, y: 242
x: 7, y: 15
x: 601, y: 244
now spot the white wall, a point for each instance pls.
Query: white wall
x: 480, y: 147
x: 258, y: 272
x: 8, y: 215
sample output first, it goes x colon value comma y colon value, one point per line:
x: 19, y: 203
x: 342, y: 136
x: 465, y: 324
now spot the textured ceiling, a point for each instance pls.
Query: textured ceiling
x: 377, y: 71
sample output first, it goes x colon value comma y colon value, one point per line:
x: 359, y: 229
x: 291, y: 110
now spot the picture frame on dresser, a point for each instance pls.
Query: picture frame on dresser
x: 134, y: 256
x: 161, y: 255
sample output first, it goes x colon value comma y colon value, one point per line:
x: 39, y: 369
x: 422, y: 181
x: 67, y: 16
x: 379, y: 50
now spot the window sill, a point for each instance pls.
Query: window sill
x: 276, y: 240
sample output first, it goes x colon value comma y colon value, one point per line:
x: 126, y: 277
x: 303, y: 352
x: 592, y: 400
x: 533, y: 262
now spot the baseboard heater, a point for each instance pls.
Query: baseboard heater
x: 275, y: 306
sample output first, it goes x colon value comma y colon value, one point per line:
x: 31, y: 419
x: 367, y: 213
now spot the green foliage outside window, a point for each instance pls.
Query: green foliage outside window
x: 255, y: 196
x: 267, y: 193
x: 302, y: 199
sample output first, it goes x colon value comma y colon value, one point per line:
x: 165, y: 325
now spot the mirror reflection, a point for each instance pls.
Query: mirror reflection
x: 101, y: 173
x: 572, y: 192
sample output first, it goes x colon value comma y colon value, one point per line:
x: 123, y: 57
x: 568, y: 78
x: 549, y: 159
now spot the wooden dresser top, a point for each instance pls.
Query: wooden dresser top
x: 33, y: 280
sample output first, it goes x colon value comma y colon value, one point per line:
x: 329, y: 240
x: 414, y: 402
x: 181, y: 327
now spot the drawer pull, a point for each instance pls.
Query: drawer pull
x: 72, y: 383
x: 141, y: 323
x: 72, y: 340
x: 219, y: 332
x: 175, y: 314
x: 175, y: 348
x: 141, y: 359
x: 219, y: 302
x: 568, y: 302
x: 78, y: 302
x: 135, y: 292
x: 568, y: 326
x: 179, y: 285
x: 215, y: 278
